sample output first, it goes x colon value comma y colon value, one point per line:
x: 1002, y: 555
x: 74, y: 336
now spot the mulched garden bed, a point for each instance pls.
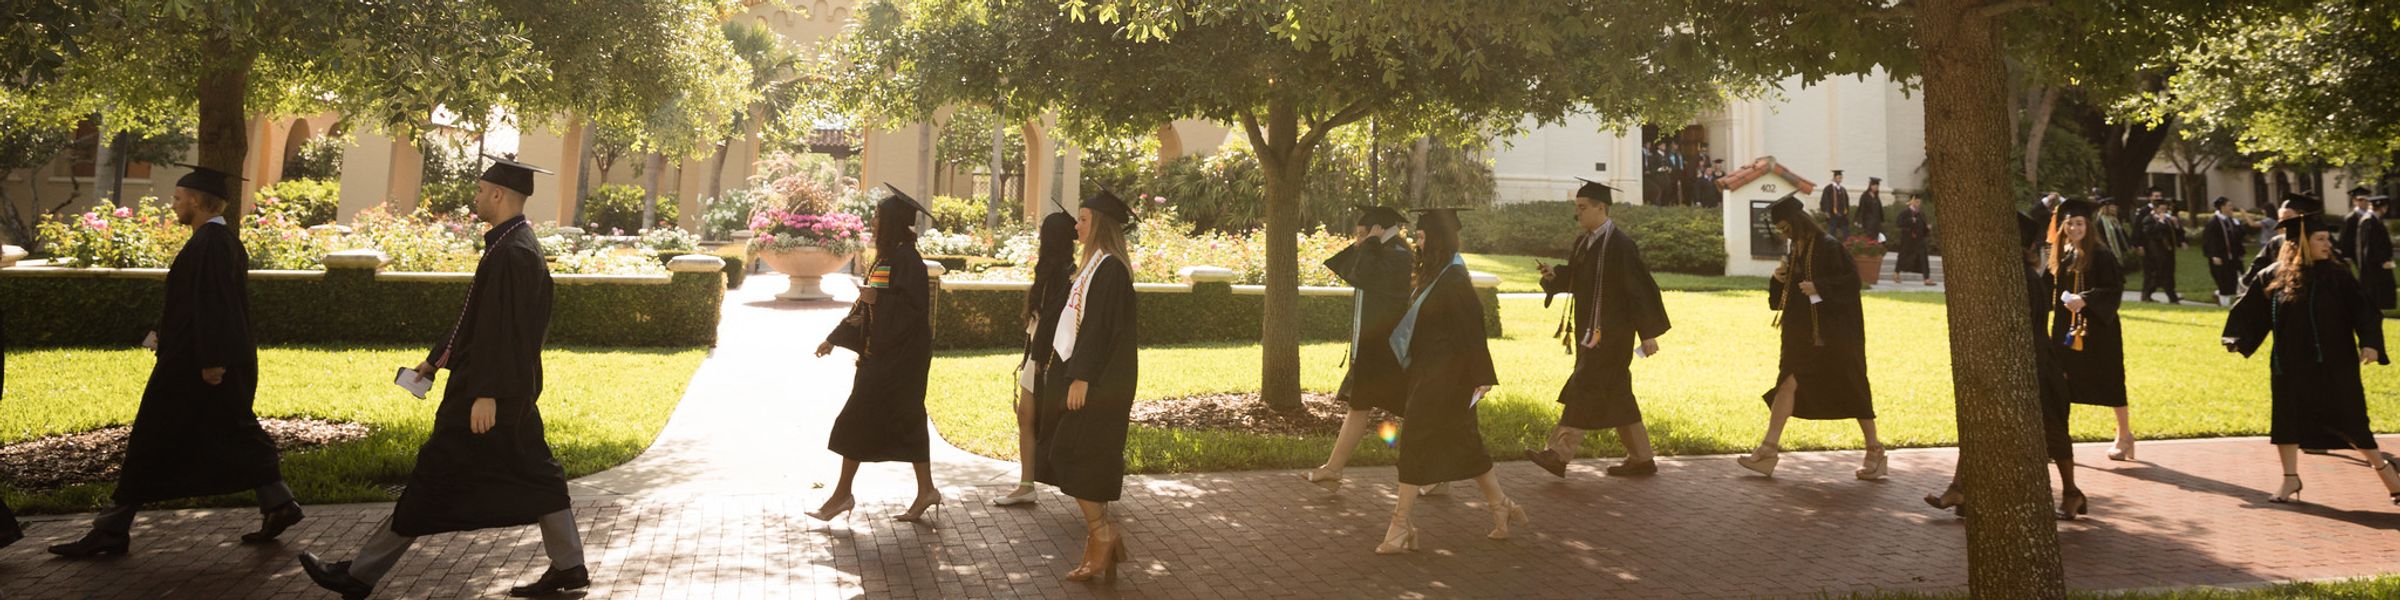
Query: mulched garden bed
x: 1243, y: 412
x: 94, y: 456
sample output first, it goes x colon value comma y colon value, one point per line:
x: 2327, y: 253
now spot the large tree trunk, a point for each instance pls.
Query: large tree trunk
x: 2035, y: 134
x: 2125, y: 149
x: 223, y: 89
x: 1420, y: 178
x: 1285, y: 164
x: 583, y: 170
x: 2012, y: 543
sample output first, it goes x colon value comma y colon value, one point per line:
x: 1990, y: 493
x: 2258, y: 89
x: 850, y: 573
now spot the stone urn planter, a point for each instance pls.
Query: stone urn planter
x: 807, y: 266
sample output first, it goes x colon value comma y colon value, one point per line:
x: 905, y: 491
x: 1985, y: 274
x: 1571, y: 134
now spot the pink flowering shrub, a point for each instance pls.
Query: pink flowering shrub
x: 779, y: 229
x: 124, y: 238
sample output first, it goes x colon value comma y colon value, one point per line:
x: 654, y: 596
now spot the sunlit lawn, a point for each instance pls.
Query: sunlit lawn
x: 1699, y: 396
x: 601, y: 406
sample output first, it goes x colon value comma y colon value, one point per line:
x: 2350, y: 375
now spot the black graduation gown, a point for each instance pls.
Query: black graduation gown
x: 1916, y: 243
x: 1834, y: 202
x: 1085, y: 453
x: 1050, y: 287
x: 2221, y: 242
x: 2159, y: 242
x: 1599, y: 394
x: 2345, y: 241
x: 2374, y: 248
x: 2267, y: 253
x: 884, y: 419
x: 2319, y: 402
x: 7, y: 517
x: 505, y: 476
x: 1833, y: 377
x: 191, y: 438
x: 1870, y: 214
x: 2049, y: 377
x: 2095, y: 375
x: 1447, y: 360
x: 1379, y: 270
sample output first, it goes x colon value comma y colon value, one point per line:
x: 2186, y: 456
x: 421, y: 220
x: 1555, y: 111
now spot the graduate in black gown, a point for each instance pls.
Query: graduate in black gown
x: 1870, y: 209
x: 891, y: 329
x: 1376, y: 265
x: 1823, y: 371
x: 2294, y: 205
x: 2370, y: 248
x: 486, y: 465
x: 1096, y: 362
x: 1616, y: 308
x: 2221, y: 241
x: 1916, y: 241
x: 2089, y: 284
x: 2049, y: 379
x: 195, y: 434
x: 1441, y: 346
x: 1053, y: 272
x: 10, y: 530
x: 2345, y: 242
x: 2324, y: 331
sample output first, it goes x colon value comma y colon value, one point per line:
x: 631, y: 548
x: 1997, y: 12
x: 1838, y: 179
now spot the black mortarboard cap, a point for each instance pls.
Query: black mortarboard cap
x: 1598, y: 192
x: 2361, y: 191
x: 1109, y: 205
x: 899, y: 200
x: 208, y: 181
x: 2220, y: 201
x: 2378, y: 201
x: 1837, y: 172
x: 2029, y: 231
x: 1788, y: 208
x: 1874, y: 180
x: 2298, y: 228
x: 508, y: 173
x: 2077, y: 207
x: 1379, y: 216
x: 1439, y: 219
x: 2301, y: 204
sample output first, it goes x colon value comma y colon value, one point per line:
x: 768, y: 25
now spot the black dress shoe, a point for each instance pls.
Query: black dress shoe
x: 1549, y: 462
x: 554, y: 581
x: 272, y: 523
x: 1634, y: 469
x: 335, y: 577
x: 96, y: 543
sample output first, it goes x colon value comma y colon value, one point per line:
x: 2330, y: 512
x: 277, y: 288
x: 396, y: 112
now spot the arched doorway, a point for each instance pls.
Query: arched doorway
x: 1686, y: 160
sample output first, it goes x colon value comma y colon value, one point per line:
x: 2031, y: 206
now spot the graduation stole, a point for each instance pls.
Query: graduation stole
x: 451, y: 346
x: 1799, y: 257
x: 1590, y: 337
x: 1069, y: 327
x: 2076, y: 331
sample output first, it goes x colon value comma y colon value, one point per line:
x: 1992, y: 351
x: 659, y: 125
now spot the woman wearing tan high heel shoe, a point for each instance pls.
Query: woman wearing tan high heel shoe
x: 1441, y: 347
x: 1053, y: 272
x: 1376, y: 265
x: 1096, y: 366
x: 1823, y: 370
x: 2050, y: 380
x: 892, y: 331
x: 2324, y: 330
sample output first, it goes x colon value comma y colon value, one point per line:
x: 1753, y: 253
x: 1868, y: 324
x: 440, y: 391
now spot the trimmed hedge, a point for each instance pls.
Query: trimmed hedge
x: 1210, y: 312
x: 1675, y: 239
x: 356, y: 306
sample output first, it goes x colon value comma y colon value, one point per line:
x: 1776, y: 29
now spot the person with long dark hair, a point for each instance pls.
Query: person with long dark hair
x: 1440, y: 345
x: 196, y: 433
x: 2050, y: 380
x: 1823, y: 370
x: 2090, y: 282
x: 891, y: 329
x: 1053, y: 273
x: 1377, y: 266
x: 2325, y: 329
x: 1095, y: 366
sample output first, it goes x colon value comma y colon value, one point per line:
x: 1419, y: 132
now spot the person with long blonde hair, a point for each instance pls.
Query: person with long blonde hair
x: 2324, y: 329
x: 1095, y: 365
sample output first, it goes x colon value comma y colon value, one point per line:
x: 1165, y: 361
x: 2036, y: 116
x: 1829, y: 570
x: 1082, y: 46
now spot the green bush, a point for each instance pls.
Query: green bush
x: 128, y: 237
x: 318, y: 158
x: 723, y: 215
x: 1677, y: 239
x: 1211, y: 312
x: 352, y: 306
x: 957, y: 215
x: 447, y: 198
x: 617, y: 207
x: 305, y: 202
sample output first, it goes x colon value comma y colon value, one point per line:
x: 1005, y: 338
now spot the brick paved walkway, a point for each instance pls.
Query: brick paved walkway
x: 709, y: 513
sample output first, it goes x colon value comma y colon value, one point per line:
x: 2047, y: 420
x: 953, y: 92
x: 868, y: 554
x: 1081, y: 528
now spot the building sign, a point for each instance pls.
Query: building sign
x: 1763, y: 242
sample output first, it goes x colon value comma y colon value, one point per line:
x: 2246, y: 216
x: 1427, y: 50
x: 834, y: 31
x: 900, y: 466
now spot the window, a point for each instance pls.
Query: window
x: 86, y: 163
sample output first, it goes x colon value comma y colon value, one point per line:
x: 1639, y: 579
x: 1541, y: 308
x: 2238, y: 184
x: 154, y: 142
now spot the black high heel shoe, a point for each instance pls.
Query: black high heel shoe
x: 2290, y: 494
x: 2073, y: 504
x: 1949, y: 499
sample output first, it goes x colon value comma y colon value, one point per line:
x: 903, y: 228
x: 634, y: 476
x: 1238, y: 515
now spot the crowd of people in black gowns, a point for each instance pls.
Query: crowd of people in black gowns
x: 1417, y: 352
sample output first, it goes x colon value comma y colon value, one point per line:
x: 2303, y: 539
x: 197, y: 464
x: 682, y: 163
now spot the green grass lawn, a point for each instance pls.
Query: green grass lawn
x: 1517, y: 274
x: 1699, y: 396
x: 601, y: 406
